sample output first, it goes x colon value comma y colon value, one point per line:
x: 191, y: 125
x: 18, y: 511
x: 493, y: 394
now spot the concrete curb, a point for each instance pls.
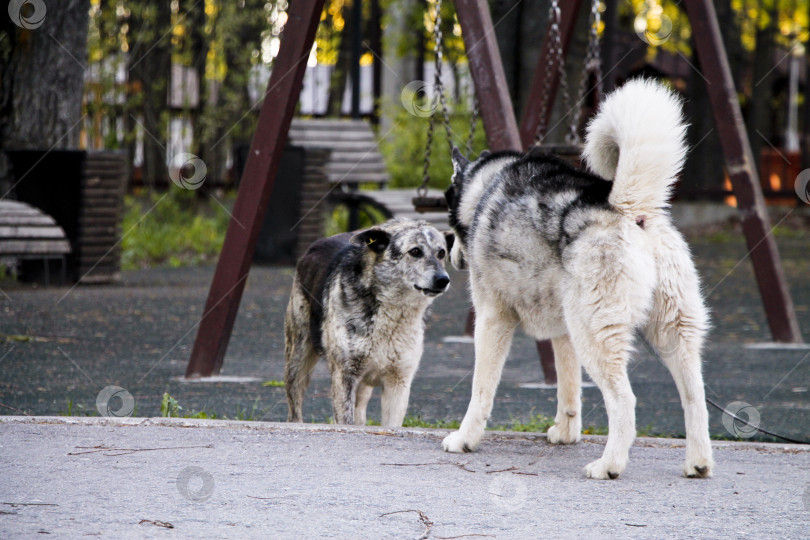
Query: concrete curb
x: 431, y: 433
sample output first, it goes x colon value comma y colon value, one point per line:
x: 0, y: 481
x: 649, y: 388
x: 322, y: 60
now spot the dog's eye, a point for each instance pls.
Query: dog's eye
x: 441, y: 254
x: 416, y: 252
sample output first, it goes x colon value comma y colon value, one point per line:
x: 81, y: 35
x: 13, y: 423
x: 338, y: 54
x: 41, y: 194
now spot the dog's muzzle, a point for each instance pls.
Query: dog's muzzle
x: 438, y: 286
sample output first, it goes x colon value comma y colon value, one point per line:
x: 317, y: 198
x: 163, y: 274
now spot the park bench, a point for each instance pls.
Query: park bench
x: 26, y: 233
x: 355, y: 159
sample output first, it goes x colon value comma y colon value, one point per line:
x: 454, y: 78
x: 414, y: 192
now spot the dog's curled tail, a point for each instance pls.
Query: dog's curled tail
x: 638, y: 140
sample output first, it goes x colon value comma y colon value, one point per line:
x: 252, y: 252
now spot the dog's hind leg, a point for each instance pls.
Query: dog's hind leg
x: 567, y: 426
x: 300, y: 359
x: 494, y: 327
x: 363, y: 395
x: 679, y: 344
x: 605, y: 352
x: 677, y: 326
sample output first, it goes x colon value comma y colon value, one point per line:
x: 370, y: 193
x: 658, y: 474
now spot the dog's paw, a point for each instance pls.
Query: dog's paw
x: 602, y: 469
x: 701, y: 468
x: 565, y: 433
x: 457, y: 443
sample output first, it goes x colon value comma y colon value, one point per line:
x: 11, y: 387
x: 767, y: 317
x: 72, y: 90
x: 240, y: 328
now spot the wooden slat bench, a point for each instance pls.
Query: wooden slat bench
x: 355, y: 159
x: 27, y: 233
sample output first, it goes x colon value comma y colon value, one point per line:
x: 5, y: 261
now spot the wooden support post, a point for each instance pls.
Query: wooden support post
x: 495, y: 104
x: 233, y: 266
x: 546, y: 68
x: 487, y: 72
x: 756, y: 224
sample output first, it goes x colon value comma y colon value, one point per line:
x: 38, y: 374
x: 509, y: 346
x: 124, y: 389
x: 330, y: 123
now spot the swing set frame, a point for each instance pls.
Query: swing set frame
x: 502, y: 132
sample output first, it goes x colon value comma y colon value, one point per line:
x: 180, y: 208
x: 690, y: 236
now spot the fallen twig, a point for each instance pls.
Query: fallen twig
x: 463, y: 536
x: 164, y: 524
x: 126, y: 451
x: 15, y: 504
x: 423, y: 519
x: 462, y: 466
x: 503, y: 470
x: 13, y: 409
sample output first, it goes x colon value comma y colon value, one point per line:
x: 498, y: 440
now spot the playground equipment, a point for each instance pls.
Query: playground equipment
x: 502, y: 132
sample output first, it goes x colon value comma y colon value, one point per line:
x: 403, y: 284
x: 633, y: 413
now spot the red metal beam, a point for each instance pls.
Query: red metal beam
x: 234, y: 262
x: 756, y: 224
x: 487, y: 72
x: 569, y: 10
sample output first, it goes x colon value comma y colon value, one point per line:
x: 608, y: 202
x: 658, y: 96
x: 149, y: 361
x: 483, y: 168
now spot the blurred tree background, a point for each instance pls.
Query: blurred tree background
x: 155, y: 77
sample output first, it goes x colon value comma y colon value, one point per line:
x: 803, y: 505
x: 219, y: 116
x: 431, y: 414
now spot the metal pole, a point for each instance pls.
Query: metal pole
x: 756, y: 224
x: 251, y: 204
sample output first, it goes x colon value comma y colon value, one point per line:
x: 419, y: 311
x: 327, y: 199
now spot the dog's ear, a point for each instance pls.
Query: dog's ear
x: 484, y: 154
x: 459, y: 161
x: 374, y: 239
x: 450, y: 196
x: 450, y: 238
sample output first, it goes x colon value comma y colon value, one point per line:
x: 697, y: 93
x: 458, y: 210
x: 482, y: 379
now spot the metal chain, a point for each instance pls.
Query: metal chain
x: 592, y: 65
x: 473, y: 123
x: 555, y: 60
x: 438, y: 83
x: 438, y: 88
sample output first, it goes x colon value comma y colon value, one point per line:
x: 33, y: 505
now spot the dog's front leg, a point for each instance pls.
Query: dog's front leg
x: 363, y: 396
x: 494, y: 329
x: 344, y: 392
x: 394, y: 403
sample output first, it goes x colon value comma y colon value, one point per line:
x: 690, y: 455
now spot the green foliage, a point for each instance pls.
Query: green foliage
x: 274, y: 384
x: 173, y: 229
x: 244, y: 415
x: 337, y: 221
x: 403, y: 148
x: 169, y: 407
x: 76, y: 409
x: 417, y: 422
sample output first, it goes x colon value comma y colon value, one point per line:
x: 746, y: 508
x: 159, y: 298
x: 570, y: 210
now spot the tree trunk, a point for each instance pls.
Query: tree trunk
x: 337, y: 81
x: 805, y: 139
x: 376, y: 47
x: 199, y: 46
x: 42, y: 79
x: 759, y: 112
x: 149, y: 69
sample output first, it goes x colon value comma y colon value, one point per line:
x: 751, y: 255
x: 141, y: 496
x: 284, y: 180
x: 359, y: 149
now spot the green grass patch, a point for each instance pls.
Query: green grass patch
x: 174, y: 229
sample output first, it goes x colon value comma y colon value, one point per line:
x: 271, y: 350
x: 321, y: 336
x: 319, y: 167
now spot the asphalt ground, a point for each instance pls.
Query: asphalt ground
x: 60, y: 347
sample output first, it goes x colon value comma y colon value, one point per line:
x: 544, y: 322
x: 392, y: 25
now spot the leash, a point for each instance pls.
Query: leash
x: 652, y: 351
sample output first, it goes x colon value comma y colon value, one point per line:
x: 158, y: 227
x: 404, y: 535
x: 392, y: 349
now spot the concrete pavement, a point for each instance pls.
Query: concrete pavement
x: 136, y: 477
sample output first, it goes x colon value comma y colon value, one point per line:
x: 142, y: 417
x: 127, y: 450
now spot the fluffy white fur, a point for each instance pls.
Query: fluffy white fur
x: 645, y: 121
x: 617, y: 275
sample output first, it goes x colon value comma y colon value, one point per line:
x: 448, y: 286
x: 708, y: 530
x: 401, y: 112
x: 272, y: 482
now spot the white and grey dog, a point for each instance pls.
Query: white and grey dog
x: 584, y: 260
x: 360, y: 300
